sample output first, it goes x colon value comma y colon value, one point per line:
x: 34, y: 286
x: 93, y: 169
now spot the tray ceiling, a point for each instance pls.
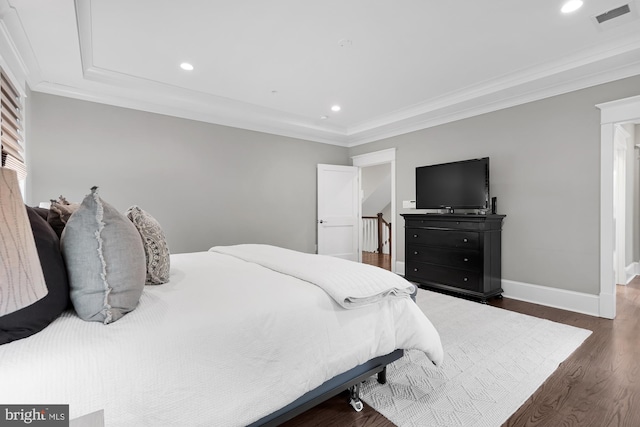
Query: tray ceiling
x: 279, y: 66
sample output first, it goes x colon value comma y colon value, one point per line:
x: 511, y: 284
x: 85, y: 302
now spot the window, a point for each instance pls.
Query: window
x: 11, y: 127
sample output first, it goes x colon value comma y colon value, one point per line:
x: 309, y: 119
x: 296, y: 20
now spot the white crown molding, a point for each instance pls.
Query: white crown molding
x: 83, y: 22
x: 214, y: 109
x: 16, y: 56
x: 459, y: 112
x: 242, y: 121
x: 162, y: 98
x: 581, y: 70
x: 625, y: 45
x: 508, y: 91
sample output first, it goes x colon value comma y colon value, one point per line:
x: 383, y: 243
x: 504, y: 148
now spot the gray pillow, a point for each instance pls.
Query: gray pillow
x: 105, y: 261
x: 155, y: 245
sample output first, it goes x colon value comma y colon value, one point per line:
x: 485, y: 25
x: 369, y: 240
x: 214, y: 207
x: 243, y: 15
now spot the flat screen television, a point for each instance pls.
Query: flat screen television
x: 456, y: 185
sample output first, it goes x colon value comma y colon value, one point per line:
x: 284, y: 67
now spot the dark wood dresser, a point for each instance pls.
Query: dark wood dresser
x: 455, y: 253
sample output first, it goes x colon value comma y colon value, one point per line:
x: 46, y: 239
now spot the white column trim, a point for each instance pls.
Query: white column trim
x: 619, y: 111
x: 374, y: 158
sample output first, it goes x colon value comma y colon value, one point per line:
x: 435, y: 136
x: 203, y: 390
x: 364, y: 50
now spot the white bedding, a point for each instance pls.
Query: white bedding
x: 225, y: 343
x: 350, y: 284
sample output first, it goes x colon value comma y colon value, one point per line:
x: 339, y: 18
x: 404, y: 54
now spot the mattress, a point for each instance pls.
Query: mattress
x: 225, y: 342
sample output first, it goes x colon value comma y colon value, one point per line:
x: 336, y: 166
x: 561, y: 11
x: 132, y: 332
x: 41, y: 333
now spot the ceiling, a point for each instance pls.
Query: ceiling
x: 278, y: 66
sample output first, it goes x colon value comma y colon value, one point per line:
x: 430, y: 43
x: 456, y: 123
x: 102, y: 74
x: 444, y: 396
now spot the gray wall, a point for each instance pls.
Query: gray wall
x: 206, y: 184
x: 376, y: 190
x: 233, y: 186
x: 545, y: 172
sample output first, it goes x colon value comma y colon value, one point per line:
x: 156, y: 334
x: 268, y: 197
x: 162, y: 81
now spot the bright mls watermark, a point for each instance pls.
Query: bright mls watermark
x: 34, y: 415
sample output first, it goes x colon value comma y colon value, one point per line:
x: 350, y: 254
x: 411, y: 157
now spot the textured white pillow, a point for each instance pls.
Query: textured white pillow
x: 155, y: 245
x: 105, y: 261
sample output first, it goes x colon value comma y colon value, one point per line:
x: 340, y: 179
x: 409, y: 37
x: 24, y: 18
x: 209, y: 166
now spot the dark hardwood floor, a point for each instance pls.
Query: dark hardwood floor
x: 379, y: 260
x: 597, y: 386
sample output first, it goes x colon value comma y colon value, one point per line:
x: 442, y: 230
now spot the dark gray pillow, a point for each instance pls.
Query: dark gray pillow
x: 105, y: 261
x: 35, y: 317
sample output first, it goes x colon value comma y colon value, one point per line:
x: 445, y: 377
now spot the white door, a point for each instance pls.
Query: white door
x: 338, y: 211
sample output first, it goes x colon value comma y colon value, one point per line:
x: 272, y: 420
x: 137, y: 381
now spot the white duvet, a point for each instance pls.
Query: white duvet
x: 225, y: 343
x: 350, y: 284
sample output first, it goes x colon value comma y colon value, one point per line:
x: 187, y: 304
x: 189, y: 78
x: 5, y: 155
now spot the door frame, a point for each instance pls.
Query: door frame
x: 373, y: 159
x: 620, y: 202
x: 619, y: 111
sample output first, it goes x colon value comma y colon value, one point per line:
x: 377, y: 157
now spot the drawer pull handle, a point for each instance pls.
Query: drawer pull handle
x: 415, y: 252
x: 415, y: 235
x: 466, y: 279
x: 466, y: 259
x: 465, y: 240
x: 415, y: 269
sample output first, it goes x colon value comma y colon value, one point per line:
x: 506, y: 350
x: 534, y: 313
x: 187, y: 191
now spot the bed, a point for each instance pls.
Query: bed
x: 230, y: 340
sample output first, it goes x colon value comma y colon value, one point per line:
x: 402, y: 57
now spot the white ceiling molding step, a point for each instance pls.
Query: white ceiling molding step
x: 613, y: 57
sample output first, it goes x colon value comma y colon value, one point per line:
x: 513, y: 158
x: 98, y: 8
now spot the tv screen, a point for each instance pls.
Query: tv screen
x: 456, y: 185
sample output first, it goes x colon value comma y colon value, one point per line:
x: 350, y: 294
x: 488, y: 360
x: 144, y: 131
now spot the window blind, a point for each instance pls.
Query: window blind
x: 11, y: 127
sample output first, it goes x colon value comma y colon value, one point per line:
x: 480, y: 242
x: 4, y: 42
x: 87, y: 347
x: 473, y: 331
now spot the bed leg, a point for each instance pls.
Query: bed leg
x: 382, y: 376
x: 354, y: 393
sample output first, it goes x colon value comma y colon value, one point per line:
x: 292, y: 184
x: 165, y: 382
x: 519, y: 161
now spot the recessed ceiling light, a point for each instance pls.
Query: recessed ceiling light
x: 186, y: 66
x: 335, y: 108
x: 326, y: 117
x: 571, y: 6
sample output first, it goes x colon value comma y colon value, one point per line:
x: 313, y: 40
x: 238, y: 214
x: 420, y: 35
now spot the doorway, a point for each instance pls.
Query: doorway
x: 375, y: 200
x: 611, y: 114
x: 378, y: 169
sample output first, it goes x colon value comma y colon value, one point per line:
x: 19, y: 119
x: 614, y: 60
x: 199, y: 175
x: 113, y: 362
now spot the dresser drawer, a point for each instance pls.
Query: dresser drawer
x: 444, y: 223
x: 459, y: 258
x: 429, y: 273
x: 442, y: 238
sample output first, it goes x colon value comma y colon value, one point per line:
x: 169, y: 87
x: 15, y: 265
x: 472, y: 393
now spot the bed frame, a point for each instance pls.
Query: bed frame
x: 348, y: 380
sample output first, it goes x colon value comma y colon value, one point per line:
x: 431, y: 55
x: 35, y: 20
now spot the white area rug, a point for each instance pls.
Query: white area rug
x: 494, y: 360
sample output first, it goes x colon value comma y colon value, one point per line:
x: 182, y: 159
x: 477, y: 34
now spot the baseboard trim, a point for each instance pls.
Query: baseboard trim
x: 400, y: 268
x: 631, y: 271
x: 552, y: 297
